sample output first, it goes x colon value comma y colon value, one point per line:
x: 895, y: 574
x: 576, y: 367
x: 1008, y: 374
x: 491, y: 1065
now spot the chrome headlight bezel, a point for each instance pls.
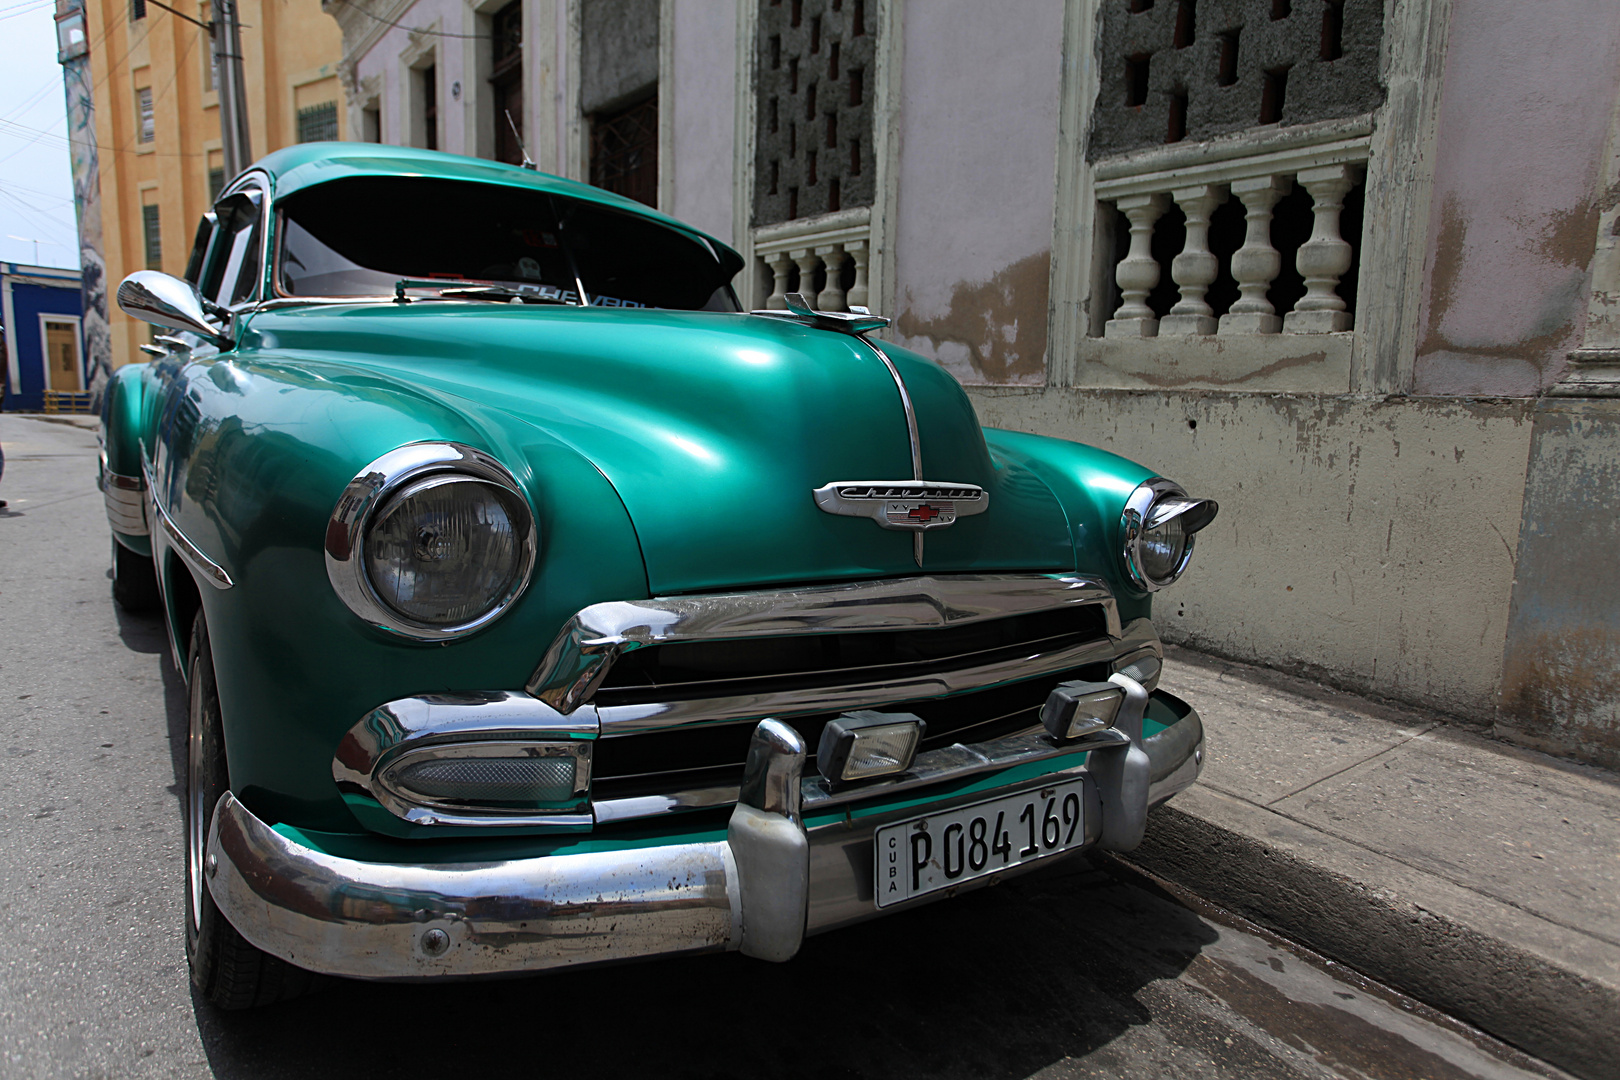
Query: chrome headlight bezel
x: 373, y: 488
x: 1138, y: 517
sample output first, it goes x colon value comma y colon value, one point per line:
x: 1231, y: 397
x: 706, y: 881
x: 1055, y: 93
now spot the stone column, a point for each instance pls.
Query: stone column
x: 1137, y: 273
x: 780, y: 266
x: 832, y: 295
x: 1324, y: 258
x: 1195, y: 268
x: 1256, y: 264
x: 808, y: 262
x: 857, y: 252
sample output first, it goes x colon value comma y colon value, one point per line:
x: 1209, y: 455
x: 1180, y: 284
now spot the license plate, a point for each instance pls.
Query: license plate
x: 926, y: 854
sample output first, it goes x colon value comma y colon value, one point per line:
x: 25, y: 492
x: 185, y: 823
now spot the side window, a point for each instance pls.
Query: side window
x: 232, y: 273
x: 199, y: 246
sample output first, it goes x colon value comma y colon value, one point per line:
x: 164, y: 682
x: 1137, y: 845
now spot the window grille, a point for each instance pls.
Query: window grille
x: 137, y: 9
x: 146, y: 117
x: 216, y: 184
x: 318, y: 123
x: 153, y: 235
x: 624, y: 151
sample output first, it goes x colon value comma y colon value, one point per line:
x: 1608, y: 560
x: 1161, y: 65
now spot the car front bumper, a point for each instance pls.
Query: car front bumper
x: 782, y: 871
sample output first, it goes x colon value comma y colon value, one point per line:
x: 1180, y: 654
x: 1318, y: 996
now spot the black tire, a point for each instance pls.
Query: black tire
x: 134, y: 580
x: 226, y: 968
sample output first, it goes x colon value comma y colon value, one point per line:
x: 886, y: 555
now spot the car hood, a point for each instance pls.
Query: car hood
x: 713, y: 428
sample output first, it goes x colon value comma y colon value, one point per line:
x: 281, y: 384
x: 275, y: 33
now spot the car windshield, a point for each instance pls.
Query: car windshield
x: 361, y: 237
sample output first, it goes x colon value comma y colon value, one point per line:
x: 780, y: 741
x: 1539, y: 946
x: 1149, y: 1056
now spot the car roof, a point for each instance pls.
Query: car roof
x: 305, y: 165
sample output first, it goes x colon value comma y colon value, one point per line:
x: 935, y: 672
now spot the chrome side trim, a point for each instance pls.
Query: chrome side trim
x: 588, y: 645
x: 415, y: 724
x: 125, y: 501
x: 618, y: 720
x: 369, y: 491
x: 206, y: 568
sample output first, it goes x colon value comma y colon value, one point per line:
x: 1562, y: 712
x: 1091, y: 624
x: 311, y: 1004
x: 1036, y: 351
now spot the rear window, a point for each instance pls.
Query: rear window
x: 360, y: 237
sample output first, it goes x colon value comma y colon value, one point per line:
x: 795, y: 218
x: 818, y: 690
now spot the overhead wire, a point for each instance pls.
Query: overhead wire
x: 420, y: 30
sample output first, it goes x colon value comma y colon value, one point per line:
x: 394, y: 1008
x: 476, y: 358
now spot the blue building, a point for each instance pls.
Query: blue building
x: 39, y: 313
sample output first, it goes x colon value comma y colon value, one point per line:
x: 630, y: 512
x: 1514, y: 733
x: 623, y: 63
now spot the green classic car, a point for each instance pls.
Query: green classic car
x: 540, y: 607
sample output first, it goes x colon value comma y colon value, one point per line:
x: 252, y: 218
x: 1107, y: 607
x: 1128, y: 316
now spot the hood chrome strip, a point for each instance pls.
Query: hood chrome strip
x: 911, y: 431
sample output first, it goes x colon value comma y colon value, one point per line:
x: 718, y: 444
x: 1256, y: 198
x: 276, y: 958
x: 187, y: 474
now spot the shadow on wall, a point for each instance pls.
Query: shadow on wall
x: 993, y: 332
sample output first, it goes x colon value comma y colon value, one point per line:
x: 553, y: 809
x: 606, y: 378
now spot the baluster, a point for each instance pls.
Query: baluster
x: 808, y: 261
x: 1324, y: 258
x: 780, y: 266
x: 832, y: 296
x: 1137, y: 273
x: 1195, y: 268
x: 857, y: 252
x: 1256, y: 264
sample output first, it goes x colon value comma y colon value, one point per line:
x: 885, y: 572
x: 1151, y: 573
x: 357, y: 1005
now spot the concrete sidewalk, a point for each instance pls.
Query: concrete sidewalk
x: 1478, y: 877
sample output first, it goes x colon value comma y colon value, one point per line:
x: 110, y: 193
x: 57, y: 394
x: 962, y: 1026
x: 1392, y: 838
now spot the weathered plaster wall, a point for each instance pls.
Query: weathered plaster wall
x: 1525, y: 106
x: 977, y: 176
x: 618, y: 46
x: 1366, y: 541
x: 1561, y: 668
x: 702, y: 101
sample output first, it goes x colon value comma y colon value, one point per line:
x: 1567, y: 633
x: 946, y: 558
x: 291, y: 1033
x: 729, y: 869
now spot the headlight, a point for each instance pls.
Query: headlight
x: 1158, y: 527
x: 432, y: 541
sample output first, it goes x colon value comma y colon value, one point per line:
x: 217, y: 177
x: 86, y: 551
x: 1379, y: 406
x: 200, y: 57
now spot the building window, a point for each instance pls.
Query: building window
x: 137, y: 9
x: 147, y: 120
x: 318, y: 123
x: 430, y: 107
x: 62, y: 354
x: 210, y: 58
x: 371, y: 124
x: 153, y: 236
x: 216, y: 184
x: 506, y: 77
x: 624, y: 151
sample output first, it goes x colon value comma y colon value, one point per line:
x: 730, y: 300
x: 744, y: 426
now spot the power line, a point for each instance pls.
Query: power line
x: 425, y: 32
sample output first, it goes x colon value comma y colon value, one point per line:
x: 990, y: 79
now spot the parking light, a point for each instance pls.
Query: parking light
x: 1074, y: 709
x: 863, y: 745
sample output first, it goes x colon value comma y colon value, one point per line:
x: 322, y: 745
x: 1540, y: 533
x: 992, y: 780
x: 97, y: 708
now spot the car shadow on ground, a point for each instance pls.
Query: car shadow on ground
x: 999, y: 983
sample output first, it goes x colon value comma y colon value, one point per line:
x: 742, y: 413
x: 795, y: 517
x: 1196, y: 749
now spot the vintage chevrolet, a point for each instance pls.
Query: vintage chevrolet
x: 540, y: 607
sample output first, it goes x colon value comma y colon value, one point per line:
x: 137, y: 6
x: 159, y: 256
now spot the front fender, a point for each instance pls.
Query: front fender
x: 1091, y: 485
x: 253, y: 461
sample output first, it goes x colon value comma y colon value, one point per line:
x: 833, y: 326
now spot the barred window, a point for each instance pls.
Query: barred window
x: 137, y: 9
x: 216, y: 183
x: 318, y: 123
x: 153, y: 236
x: 147, y: 118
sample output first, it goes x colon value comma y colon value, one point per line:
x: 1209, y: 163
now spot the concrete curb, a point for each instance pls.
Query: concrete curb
x: 1499, y: 968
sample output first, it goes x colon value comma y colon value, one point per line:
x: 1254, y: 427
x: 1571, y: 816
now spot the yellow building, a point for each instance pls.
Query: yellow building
x: 157, y: 121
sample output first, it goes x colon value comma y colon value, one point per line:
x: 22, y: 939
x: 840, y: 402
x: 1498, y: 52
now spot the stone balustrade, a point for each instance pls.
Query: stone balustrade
x: 817, y: 256
x: 1146, y: 189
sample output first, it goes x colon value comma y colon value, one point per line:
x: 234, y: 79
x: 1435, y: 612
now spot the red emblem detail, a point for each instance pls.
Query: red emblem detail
x: 923, y: 513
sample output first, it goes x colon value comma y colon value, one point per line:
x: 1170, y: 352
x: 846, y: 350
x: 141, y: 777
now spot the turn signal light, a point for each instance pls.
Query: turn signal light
x: 864, y: 745
x: 1074, y: 709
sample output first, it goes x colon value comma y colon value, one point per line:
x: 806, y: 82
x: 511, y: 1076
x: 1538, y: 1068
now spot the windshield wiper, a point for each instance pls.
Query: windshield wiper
x: 484, y: 290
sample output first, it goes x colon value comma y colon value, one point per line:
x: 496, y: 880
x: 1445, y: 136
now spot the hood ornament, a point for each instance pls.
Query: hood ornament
x: 856, y: 321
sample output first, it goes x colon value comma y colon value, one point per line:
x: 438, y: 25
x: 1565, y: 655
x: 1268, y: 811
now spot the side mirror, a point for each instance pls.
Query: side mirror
x: 155, y: 297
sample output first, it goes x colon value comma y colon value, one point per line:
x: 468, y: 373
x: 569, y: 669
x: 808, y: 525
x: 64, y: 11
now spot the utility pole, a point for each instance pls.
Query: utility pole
x: 233, y: 122
x: 73, y: 53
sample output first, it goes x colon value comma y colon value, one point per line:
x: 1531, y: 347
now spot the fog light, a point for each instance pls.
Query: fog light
x: 863, y: 745
x: 505, y: 774
x: 1074, y: 709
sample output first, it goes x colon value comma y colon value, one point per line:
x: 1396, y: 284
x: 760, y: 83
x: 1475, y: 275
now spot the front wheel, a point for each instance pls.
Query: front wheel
x: 225, y: 967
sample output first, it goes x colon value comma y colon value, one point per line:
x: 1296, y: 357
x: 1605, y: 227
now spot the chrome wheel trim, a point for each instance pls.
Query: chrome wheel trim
x: 194, y: 800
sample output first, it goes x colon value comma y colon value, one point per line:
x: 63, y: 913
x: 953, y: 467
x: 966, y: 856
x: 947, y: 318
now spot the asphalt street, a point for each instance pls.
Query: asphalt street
x: 1067, y: 973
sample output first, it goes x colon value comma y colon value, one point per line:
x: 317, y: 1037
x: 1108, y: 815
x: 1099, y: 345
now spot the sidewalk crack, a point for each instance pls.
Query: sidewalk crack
x: 1412, y: 734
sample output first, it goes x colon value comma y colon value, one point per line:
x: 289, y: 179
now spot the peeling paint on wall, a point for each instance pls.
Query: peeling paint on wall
x: 1523, y: 119
x: 992, y: 332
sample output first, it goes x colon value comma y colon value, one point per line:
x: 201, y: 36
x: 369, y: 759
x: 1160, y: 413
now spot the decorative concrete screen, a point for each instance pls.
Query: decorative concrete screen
x: 1193, y: 69
x: 813, y: 167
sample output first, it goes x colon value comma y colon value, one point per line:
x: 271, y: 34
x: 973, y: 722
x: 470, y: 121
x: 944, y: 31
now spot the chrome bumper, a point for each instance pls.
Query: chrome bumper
x: 761, y: 890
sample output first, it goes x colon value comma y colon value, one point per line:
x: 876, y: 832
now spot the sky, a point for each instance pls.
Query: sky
x: 36, y: 178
